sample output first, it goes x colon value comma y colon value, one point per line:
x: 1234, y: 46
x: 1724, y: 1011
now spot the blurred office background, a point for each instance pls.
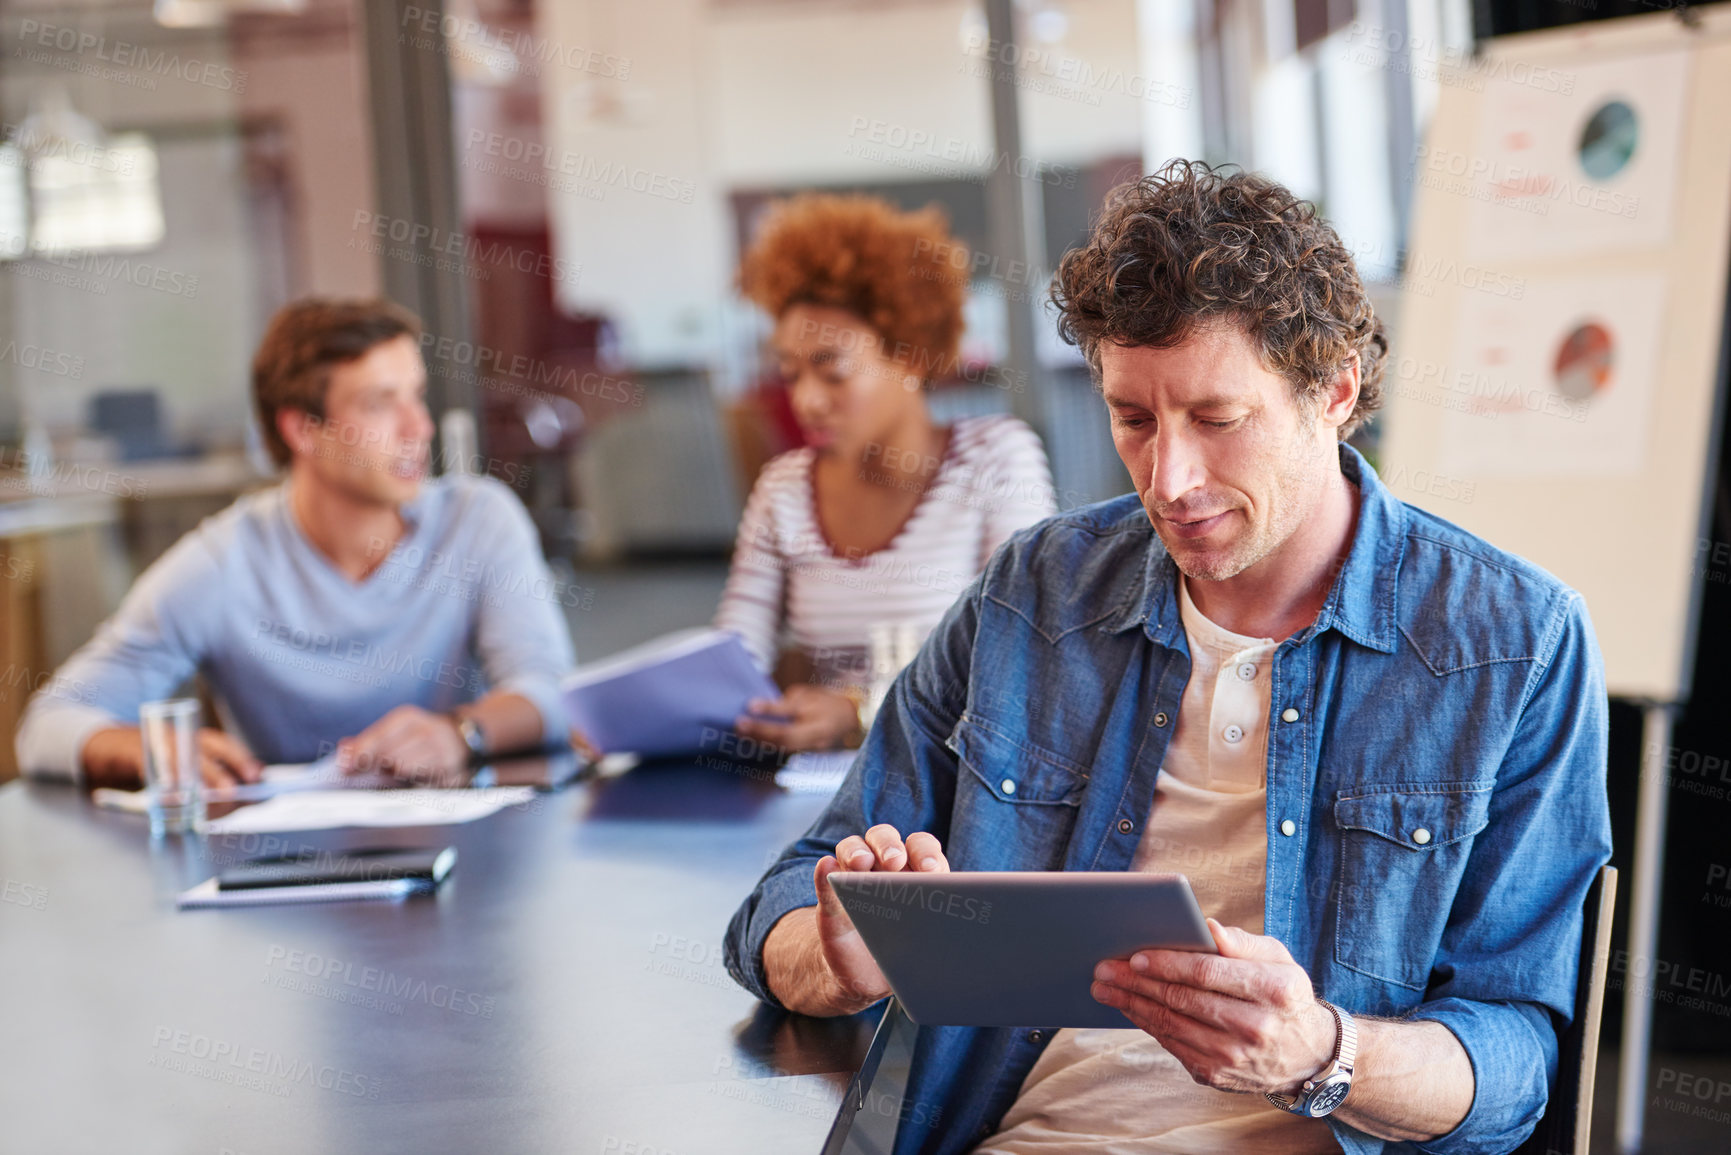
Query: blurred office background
x: 562, y: 188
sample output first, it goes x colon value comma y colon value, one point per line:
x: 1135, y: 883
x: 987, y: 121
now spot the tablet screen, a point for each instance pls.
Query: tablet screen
x: 1014, y: 949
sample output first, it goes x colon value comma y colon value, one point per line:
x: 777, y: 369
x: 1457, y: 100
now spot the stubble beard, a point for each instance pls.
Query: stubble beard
x: 1287, y: 513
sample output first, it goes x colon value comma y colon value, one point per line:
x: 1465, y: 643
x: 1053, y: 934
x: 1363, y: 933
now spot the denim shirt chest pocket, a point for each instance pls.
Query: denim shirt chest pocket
x: 1012, y: 795
x: 1403, y: 850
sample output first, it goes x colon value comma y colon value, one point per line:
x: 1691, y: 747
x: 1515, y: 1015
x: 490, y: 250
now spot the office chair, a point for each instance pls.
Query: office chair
x: 133, y: 418
x: 1567, y: 1124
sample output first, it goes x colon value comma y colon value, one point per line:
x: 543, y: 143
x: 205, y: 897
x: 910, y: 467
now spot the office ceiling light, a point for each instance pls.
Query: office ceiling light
x: 211, y: 13
x: 1048, y: 23
x: 1042, y: 21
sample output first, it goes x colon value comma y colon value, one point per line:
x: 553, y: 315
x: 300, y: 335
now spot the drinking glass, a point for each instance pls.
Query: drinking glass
x: 171, y: 773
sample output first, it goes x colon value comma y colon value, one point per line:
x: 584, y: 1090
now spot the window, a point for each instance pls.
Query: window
x: 70, y: 195
x: 14, y: 204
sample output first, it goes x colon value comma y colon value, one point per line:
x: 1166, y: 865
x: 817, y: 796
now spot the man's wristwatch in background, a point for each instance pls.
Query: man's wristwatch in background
x: 1325, y: 1090
x: 472, y: 736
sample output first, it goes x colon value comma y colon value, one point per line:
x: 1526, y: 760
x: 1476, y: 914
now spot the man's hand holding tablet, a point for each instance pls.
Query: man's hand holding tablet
x: 1246, y: 1019
x: 817, y: 963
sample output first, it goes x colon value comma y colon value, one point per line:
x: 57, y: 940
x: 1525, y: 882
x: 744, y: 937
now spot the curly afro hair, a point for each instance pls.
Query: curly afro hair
x: 1192, y: 243
x: 900, y: 273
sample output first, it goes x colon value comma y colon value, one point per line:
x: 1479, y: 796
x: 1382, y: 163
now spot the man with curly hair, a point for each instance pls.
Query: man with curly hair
x: 1374, y: 742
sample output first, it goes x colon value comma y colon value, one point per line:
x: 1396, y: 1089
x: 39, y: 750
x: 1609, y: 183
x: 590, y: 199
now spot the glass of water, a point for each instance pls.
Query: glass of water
x: 171, y: 773
x: 893, y: 645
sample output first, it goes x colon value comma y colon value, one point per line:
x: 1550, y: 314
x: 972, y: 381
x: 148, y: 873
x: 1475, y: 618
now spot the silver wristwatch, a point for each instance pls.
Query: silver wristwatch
x: 1326, y: 1090
x: 472, y: 737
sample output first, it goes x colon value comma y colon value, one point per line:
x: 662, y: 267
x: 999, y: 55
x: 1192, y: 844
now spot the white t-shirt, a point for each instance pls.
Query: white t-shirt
x: 1120, y: 1091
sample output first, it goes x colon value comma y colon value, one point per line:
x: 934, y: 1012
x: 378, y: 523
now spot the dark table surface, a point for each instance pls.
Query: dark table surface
x: 563, y: 991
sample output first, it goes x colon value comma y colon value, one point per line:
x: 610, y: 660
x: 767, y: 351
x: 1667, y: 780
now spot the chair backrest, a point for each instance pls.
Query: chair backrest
x: 133, y: 417
x: 1567, y: 1124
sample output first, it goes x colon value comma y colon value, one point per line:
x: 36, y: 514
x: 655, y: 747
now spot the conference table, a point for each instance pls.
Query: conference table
x: 562, y: 991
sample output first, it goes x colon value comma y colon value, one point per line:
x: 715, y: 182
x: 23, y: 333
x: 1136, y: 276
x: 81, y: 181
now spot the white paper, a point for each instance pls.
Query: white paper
x: 1531, y: 180
x: 819, y: 773
x: 329, y: 809
x: 1510, y: 413
x: 320, y: 775
x: 302, y: 773
x: 275, y: 779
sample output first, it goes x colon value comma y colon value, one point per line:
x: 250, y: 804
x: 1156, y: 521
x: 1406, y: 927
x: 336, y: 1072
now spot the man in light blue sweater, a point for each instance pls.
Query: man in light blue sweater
x: 357, y: 606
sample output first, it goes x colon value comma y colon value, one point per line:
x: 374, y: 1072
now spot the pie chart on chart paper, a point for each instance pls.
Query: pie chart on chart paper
x: 1558, y: 384
x: 1608, y: 140
x: 1582, y: 367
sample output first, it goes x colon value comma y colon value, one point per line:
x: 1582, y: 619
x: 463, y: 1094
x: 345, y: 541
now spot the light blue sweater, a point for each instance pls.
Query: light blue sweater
x: 300, y: 655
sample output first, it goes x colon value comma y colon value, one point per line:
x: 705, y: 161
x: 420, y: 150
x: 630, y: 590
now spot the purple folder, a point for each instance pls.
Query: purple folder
x: 676, y: 695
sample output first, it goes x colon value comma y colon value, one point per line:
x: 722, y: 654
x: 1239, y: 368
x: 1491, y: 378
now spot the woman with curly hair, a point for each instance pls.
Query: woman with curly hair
x: 883, y: 516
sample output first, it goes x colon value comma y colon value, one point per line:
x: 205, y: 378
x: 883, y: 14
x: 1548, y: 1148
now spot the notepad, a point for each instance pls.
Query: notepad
x: 314, y: 868
x: 380, y: 874
x: 207, y: 894
x: 675, y: 695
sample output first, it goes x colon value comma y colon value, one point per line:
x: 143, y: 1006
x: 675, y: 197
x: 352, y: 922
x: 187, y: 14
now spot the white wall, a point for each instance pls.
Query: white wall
x: 193, y: 347
x: 320, y: 96
x: 750, y: 96
x: 798, y: 95
x: 652, y: 262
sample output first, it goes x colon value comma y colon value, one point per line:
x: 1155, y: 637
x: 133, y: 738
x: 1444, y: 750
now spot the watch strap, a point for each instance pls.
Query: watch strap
x: 1346, y: 1046
x: 1343, y: 1060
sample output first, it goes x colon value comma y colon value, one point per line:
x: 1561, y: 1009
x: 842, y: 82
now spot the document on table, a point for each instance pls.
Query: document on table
x: 815, y: 773
x: 302, y: 775
x: 277, y: 779
x: 674, y: 695
x: 320, y: 775
x: 330, y: 809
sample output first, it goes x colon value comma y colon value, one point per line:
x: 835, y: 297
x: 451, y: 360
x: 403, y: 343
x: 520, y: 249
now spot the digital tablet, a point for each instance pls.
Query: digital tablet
x: 1014, y: 949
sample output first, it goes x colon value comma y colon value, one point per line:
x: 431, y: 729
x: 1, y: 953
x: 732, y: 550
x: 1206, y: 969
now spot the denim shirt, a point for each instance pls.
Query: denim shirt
x: 1445, y: 687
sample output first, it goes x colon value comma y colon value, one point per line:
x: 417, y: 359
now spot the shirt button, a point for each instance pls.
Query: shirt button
x: 1125, y: 826
x: 1289, y: 828
x: 1160, y: 719
x: 1421, y: 836
x: 1289, y: 715
x: 1232, y: 733
x: 1036, y: 1036
x: 1247, y: 670
x: 1008, y: 786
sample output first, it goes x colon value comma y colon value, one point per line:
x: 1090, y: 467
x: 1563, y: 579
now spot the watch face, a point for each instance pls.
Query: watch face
x: 1328, y: 1096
